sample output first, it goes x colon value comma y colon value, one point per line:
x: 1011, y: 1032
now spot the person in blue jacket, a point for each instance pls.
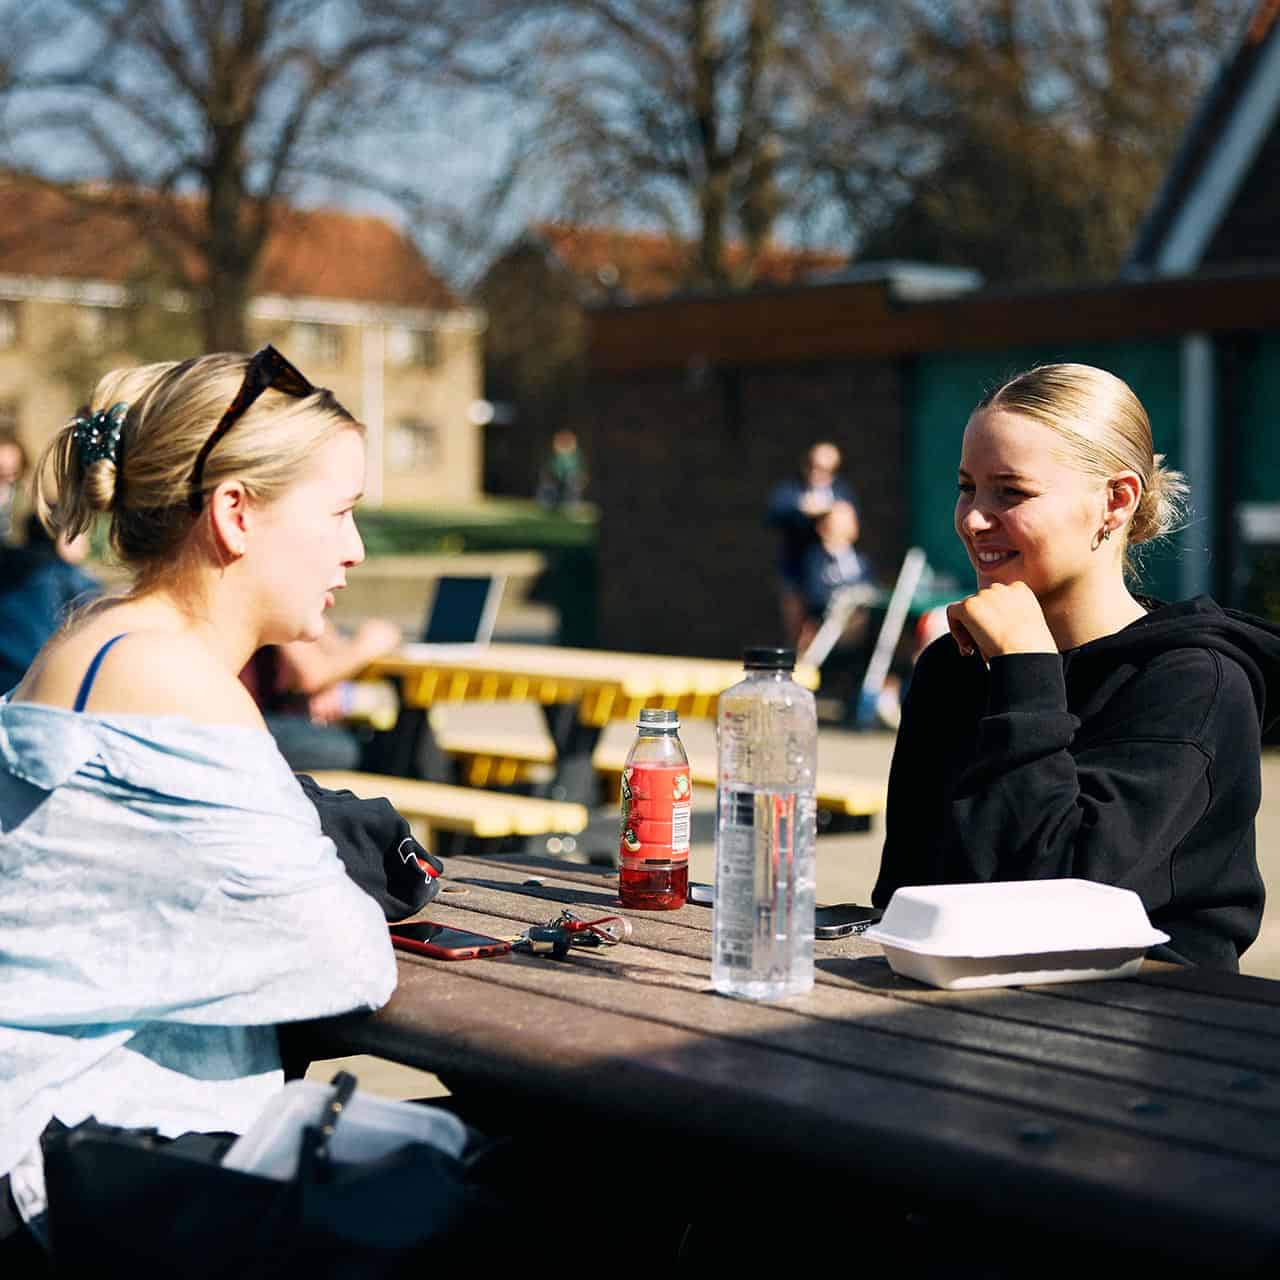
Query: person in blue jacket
x: 793, y: 510
x: 39, y: 583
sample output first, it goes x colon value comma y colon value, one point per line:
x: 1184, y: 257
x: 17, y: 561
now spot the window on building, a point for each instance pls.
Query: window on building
x: 8, y: 324
x: 413, y: 445
x: 316, y: 345
x: 417, y: 348
x: 101, y: 328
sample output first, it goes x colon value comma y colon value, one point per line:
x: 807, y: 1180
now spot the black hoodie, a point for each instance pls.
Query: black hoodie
x: 1133, y: 760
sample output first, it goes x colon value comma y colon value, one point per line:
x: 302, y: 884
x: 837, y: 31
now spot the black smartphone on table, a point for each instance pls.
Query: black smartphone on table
x: 843, y: 919
x: 442, y: 942
x: 839, y: 921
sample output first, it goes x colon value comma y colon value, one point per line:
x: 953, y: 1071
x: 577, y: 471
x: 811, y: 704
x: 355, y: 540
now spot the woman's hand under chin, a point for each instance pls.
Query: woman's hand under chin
x: 1000, y: 619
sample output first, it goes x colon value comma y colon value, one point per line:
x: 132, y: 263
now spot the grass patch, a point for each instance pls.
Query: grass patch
x: 497, y: 524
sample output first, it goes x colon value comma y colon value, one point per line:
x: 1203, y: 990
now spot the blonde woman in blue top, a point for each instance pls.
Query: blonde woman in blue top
x: 166, y: 892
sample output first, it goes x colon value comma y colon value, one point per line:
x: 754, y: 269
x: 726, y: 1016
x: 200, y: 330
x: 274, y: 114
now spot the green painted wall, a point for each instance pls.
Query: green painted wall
x: 1259, y: 425
x: 945, y: 387
x: 1255, y: 577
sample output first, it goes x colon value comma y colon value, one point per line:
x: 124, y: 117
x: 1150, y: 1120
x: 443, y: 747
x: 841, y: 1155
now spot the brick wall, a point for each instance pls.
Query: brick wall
x: 682, y: 469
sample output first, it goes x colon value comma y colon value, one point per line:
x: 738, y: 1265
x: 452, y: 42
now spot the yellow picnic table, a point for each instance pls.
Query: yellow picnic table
x: 601, y: 684
x: 580, y: 691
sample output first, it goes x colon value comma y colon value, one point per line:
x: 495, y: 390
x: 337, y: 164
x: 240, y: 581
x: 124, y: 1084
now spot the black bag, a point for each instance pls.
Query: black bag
x: 377, y: 849
x: 122, y: 1202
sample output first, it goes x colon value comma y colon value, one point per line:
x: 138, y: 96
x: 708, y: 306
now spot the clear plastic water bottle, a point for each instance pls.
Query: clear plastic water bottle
x: 653, y: 853
x: 762, y: 928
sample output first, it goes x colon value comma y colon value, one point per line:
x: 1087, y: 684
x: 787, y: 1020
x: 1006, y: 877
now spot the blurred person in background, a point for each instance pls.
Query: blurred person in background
x: 831, y: 563
x: 306, y: 693
x: 39, y: 583
x: 562, y: 480
x: 794, y: 508
x: 837, y: 584
x: 13, y: 466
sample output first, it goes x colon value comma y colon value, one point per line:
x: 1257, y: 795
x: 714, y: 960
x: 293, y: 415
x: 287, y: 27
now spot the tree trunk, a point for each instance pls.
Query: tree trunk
x: 230, y: 251
x: 235, y: 223
x: 760, y: 197
x: 226, y: 303
x: 713, y: 186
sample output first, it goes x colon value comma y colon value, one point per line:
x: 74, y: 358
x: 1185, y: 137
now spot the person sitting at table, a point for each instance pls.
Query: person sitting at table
x: 830, y: 564
x: 794, y: 507
x: 168, y: 893
x: 308, y: 698
x: 39, y: 582
x: 1068, y: 726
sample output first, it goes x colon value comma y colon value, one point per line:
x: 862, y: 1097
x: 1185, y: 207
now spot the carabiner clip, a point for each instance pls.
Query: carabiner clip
x: 607, y: 931
x: 569, y: 929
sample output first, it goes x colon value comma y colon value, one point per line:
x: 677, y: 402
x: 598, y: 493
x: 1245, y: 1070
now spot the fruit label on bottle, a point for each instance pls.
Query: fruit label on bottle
x: 656, y: 809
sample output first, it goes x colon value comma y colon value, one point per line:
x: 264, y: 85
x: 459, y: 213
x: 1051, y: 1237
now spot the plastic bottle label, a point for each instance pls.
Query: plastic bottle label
x: 656, y: 813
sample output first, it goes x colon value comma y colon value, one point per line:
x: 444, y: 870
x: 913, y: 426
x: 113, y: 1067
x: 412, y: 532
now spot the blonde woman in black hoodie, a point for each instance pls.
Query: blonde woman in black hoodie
x: 1068, y: 726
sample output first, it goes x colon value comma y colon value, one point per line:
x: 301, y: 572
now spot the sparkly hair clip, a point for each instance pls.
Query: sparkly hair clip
x: 98, y: 436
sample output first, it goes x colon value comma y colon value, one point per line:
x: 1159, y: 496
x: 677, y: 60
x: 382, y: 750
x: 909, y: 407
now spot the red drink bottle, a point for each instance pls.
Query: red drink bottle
x: 653, y: 856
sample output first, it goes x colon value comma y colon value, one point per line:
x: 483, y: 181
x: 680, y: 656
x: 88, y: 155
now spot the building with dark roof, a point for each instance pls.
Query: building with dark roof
x: 347, y: 296
x: 700, y: 404
x: 536, y: 294
x: 1219, y: 205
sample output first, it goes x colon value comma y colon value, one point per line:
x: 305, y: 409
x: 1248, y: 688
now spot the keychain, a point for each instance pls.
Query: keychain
x: 569, y: 929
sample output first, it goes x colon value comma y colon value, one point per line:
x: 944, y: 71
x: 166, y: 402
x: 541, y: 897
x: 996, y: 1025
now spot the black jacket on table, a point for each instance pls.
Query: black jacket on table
x: 1133, y: 760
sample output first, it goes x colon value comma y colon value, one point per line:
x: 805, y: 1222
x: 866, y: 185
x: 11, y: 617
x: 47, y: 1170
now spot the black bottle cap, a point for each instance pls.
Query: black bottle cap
x: 760, y: 657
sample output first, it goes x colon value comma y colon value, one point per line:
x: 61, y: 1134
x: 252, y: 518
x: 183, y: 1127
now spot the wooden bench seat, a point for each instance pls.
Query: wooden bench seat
x: 464, y: 814
x: 497, y: 746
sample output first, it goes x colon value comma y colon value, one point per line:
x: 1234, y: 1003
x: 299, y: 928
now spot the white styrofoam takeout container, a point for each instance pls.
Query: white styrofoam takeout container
x: 369, y: 1127
x: 1013, y: 932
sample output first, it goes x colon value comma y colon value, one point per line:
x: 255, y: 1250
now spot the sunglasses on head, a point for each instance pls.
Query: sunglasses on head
x: 267, y: 369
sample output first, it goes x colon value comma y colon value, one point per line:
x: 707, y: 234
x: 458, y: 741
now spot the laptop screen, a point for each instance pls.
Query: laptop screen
x: 463, y: 610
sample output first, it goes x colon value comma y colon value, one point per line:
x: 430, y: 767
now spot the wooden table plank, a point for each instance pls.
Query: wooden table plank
x: 1237, y: 1039
x: 1109, y: 1081
x: 1006, y: 1158
x: 1238, y: 1048
x: 1157, y: 1126
x: 1151, y: 996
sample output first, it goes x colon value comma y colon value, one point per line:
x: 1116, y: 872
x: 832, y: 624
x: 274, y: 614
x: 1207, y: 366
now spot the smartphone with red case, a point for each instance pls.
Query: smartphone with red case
x: 442, y: 942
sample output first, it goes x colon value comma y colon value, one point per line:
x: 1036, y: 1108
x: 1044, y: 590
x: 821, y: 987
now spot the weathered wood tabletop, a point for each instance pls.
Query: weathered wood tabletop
x: 1144, y: 1112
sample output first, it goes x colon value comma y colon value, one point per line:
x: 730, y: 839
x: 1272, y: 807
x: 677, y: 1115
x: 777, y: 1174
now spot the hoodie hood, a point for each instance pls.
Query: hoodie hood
x: 1252, y: 643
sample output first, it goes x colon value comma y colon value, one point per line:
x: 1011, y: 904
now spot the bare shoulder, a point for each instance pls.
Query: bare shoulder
x: 163, y: 673
x: 145, y: 672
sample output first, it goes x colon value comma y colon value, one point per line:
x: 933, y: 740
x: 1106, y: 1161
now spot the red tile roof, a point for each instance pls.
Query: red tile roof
x: 646, y: 265
x: 309, y: 253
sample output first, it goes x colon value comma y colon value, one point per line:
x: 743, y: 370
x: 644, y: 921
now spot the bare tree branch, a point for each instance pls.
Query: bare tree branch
x: 238, y: 99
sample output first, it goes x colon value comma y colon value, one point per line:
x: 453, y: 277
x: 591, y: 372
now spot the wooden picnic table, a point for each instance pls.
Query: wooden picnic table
x: 580, y: 691
x: 1139, y: 1115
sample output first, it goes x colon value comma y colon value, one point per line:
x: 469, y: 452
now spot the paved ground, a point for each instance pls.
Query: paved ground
x: 847, y: 863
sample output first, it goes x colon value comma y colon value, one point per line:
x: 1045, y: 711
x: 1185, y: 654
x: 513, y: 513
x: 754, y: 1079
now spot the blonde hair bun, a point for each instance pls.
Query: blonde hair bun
x: 1106, y: 430
x: 171, y: 410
